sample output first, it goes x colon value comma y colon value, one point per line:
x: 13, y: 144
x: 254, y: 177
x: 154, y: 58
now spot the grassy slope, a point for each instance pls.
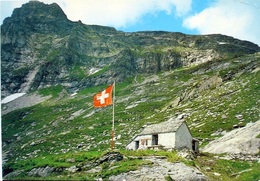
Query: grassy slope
x: 66, y: 126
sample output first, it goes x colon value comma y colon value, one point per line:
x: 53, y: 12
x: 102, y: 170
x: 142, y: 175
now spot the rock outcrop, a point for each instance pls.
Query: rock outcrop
x: 162, y: 170
x: 239, y: 141
x: 41, y: 47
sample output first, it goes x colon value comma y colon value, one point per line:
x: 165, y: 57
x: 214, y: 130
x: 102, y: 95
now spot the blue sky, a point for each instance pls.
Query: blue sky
x: 237, y: 18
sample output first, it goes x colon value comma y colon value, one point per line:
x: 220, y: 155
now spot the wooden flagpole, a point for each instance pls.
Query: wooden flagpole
x: 113, y: 120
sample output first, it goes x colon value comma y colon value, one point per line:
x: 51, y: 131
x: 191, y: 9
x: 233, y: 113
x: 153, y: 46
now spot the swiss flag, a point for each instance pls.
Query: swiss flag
x: 103, y: 98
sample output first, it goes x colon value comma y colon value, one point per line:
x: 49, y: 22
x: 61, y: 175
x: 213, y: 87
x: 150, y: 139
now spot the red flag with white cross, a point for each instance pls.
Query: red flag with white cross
x: 103, y: 98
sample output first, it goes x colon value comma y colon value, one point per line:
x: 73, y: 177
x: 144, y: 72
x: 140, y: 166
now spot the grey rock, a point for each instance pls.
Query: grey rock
x: 239, y: 141
x: 73, y: 169
x: 239, y: 116
x: 161, y: 169
x: 95, y: 170
x: 42, y: 172
x: 30, y: 61
x: 13, y: 174
x: 70, y: 160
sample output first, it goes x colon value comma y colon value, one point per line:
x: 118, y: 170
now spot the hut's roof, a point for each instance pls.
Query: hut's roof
x: 165, y: 127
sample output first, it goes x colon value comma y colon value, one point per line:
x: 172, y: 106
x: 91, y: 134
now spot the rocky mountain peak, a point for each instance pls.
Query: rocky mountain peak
x: 33, y: 17
x: 41, y: 47
x: 36, y: 11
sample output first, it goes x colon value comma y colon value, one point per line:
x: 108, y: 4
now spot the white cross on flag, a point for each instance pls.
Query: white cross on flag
x: 103, y: 98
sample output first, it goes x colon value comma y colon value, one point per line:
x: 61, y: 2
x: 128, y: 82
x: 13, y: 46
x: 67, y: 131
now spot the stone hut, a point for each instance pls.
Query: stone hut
x: 169, y: 135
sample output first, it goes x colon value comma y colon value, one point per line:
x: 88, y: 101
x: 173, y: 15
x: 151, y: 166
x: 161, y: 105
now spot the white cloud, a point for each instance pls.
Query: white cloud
x: 237, y: 18
x: 116, y: 13
x: 119, y: 13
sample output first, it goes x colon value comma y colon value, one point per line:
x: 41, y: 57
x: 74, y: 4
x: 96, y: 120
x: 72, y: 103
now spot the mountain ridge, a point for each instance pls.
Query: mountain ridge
x: 53, y: 131
x: 40, y: 46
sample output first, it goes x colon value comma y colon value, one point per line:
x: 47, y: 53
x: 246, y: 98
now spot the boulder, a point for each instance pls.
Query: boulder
x: 73, y: 169
x: 162, y: 170
x: 239, y: 141
x: 42, y: 171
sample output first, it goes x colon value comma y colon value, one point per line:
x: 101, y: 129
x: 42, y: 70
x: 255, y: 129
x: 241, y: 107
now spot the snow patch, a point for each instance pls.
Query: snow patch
x: 75, y: 93
x: 11, y: 97
x: 222, y: 43
x: 93, y: 70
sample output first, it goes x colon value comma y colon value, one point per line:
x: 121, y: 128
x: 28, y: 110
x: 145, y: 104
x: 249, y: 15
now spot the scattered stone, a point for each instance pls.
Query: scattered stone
x: 32, y: 144
x: 175, y: 102
x: 73, y: 169
x: 70, y: 160
x: 110, y: 157
x: 185, y: 153
x: 182, y: 116
x: 13, y: 174
x: 219, y: 132
x: 216, y: 174
x: 99, y: 179
x: 41, y: 172
x: 118, y: 137
x: 161, y: 169
x: 207, y: 169
x: 242, y: 157
x: 224, y: 117
x: 95, y: 170
x: 80, y: 145
x: 239, y: 116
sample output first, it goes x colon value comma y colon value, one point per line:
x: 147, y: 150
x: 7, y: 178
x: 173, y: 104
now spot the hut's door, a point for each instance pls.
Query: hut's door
x: 136, y: 145
x: 155, y: 139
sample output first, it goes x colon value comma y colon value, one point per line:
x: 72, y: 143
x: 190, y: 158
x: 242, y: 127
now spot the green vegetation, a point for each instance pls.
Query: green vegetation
x: 69, y: 128
x: 122, y: 167
x: 157, y: 78
x: 51, y: 91
x: 213, y: 167
x: 77, y: 72
x: 228, y: 169
x: 100, y: 72
x: 21, y: 72
x: 131, y: 162
x: 52, y: 55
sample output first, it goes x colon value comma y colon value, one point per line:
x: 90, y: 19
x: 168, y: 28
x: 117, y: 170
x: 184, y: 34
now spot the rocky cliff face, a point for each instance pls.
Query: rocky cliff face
x: 41, y: 47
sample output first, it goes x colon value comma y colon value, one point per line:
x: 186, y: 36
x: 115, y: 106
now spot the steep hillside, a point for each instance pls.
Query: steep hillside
x: 41, y: 47
x: 211, y: 81
x: 214, y: 98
